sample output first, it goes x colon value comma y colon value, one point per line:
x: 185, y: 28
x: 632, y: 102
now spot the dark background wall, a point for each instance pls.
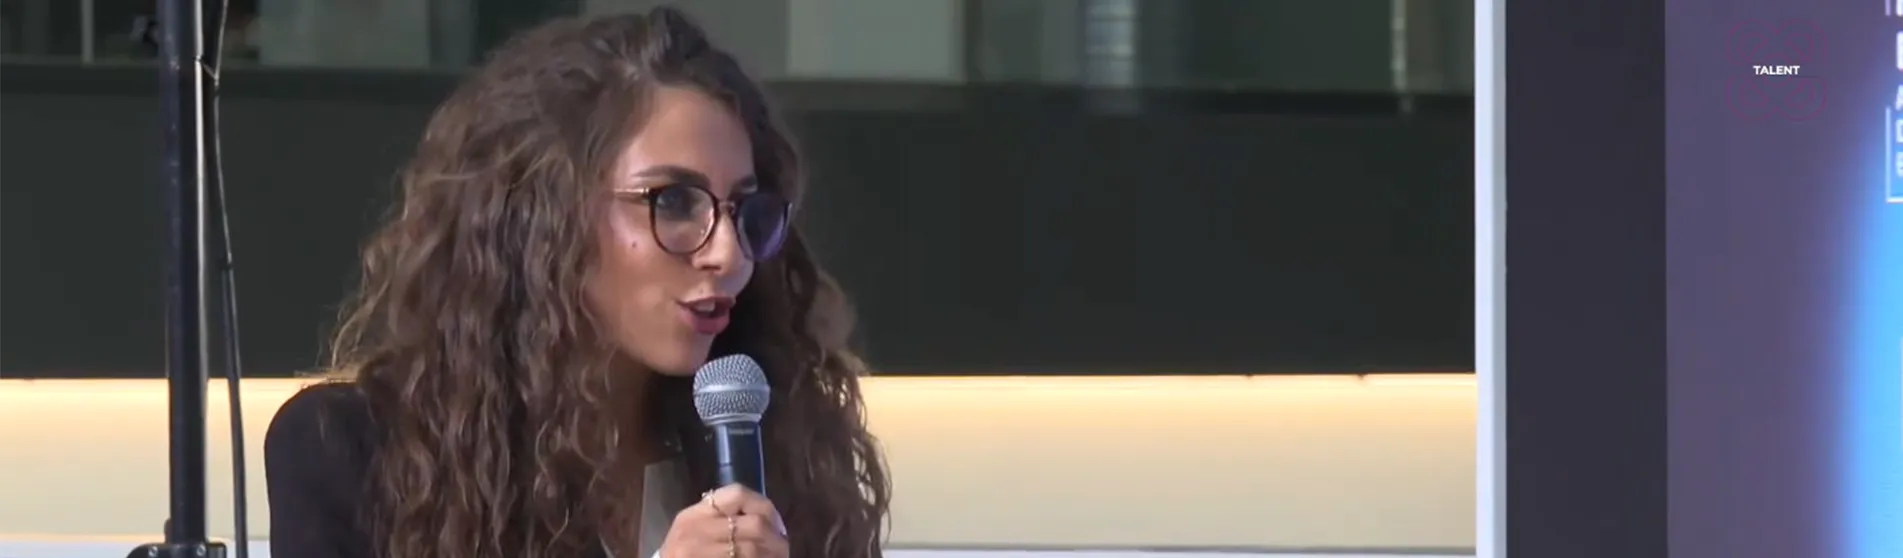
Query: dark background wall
x: 980, y: 229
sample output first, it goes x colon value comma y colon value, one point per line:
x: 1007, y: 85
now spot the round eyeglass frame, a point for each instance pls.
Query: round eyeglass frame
x: 728, y: 208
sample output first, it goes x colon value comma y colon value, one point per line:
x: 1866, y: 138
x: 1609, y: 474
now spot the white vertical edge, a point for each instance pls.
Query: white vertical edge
x: 1400, y: 47
x: 1397, y: 46
x: 87, y: 31
x: 1490, y: 202
x: 1890, y: 165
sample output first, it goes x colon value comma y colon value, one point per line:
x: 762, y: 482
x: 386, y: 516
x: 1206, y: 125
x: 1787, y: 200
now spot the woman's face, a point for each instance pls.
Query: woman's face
x: 662, y: 309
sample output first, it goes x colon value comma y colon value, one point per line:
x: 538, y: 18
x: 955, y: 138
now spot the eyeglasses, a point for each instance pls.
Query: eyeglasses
x: 683, y: 218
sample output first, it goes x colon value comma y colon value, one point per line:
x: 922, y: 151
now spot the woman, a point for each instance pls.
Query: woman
x: 593, y: 214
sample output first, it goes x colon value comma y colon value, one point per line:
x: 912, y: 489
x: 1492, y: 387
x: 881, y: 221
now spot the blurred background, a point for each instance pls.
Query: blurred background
x: 1005, y: 186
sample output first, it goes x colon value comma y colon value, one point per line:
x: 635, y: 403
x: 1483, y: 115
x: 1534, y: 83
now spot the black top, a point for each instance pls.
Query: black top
x: 316, y: 471
x: 316, y: 454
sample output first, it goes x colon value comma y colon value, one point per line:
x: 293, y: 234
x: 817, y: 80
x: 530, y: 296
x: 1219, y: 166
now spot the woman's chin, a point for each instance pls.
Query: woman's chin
x: 681, y: 365
x: 674, y: 360
x: 676, y: 371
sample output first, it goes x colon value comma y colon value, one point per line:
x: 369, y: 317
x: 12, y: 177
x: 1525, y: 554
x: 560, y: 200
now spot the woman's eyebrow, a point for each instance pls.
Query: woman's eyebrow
x: 673, y: 173
x: 680, y: 174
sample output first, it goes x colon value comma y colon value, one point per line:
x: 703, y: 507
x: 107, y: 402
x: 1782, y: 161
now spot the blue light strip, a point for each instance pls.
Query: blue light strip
x: 1871, y: 446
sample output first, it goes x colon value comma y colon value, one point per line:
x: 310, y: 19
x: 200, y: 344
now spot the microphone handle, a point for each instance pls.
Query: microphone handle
x: 737, y: 455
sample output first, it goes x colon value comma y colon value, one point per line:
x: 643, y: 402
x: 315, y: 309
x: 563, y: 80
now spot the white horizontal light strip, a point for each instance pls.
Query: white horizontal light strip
x: 96, y: 549
x: 1378, y: 462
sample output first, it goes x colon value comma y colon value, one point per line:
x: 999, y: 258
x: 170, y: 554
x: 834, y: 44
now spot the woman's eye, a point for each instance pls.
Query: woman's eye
x: 676, y: 202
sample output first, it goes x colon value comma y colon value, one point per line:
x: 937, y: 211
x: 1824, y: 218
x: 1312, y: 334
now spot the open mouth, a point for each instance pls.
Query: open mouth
x: 707, y: 316
x: 716, y: 307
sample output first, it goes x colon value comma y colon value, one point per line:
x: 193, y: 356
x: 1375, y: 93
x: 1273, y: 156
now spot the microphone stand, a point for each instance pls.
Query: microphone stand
x: 188, y: 51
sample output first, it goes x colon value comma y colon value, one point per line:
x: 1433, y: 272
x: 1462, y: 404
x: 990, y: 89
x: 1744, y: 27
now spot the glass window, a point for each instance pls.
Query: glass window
x: 1225, y: 44
x: 1284, y: 45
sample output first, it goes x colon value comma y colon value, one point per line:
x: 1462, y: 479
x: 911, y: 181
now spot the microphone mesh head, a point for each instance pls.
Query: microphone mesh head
x: 729, y: 389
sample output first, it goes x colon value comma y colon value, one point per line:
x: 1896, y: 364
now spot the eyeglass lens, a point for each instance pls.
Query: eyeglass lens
x: 684, y: 219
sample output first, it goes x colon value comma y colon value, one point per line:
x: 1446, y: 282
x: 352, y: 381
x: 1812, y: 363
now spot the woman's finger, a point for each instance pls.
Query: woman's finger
x: 777, y: 548
x: 773, y: 547
x: 746, y: 535
x: 760, y: 536
x: 733, y: 527
x: 734, y: 499
x: 754, y: 529
x: 756, y: 538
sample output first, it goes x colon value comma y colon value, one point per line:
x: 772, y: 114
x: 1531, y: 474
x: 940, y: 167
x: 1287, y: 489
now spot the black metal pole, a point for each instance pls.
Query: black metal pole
x: 181, y: 91
x: 181, y: 40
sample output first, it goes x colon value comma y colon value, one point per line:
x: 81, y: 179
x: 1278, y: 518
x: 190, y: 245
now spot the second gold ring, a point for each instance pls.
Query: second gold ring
x: 733, y: 538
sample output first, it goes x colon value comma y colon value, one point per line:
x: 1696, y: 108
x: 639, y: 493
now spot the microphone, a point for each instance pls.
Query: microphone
x: 731, y: 394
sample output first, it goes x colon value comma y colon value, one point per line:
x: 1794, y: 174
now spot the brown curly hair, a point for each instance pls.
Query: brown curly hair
x: 470, y: 338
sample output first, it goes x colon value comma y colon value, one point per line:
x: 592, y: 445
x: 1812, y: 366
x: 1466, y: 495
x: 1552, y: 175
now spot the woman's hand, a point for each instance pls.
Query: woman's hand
x: 731, y: 522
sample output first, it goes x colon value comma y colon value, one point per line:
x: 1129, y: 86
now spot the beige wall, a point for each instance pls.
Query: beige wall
x: 1309, y: 462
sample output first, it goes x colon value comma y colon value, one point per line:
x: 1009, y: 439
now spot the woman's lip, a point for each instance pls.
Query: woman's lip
x: 721, y: 304
x: 710, y: 323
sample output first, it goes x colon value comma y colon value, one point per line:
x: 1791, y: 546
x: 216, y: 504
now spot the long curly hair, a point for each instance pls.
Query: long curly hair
x: 484, y: 368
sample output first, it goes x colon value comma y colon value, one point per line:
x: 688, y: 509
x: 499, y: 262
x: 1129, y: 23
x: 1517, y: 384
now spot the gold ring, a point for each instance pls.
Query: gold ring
x: 710, y: 503
x: 733, y: 538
